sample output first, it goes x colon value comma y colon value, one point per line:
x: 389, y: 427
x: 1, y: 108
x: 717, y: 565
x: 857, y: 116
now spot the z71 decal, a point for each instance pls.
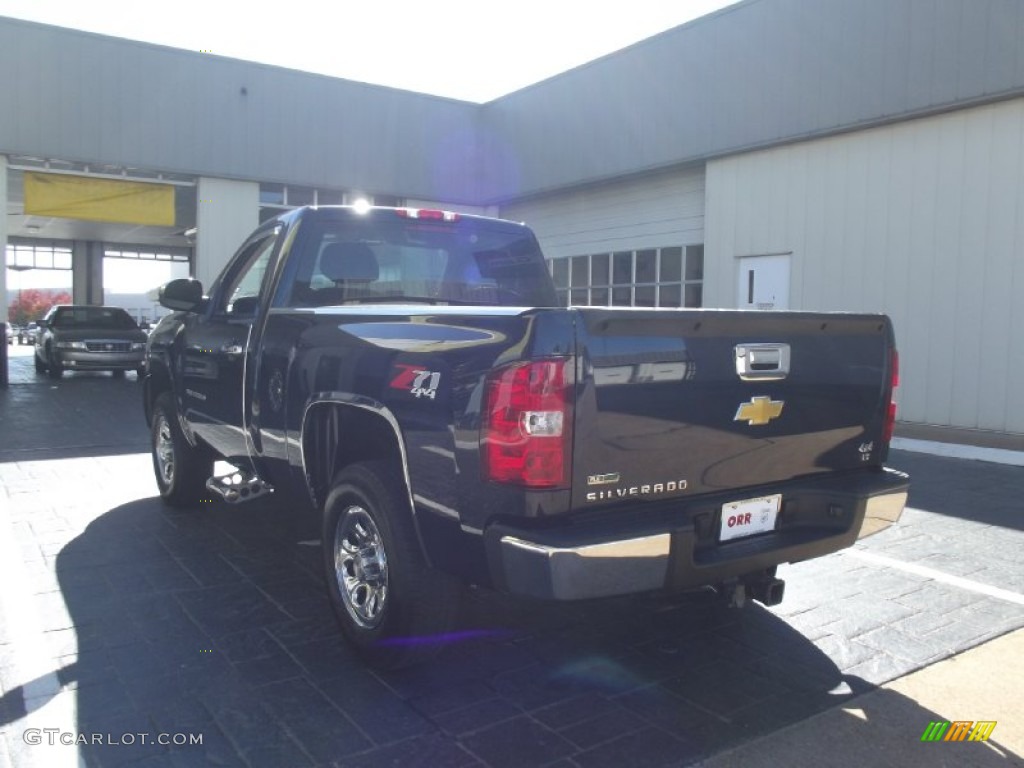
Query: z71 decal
x: 417, y: 381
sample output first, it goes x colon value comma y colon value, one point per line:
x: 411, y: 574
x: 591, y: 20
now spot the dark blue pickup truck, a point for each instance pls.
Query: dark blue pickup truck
x: 408, y: 373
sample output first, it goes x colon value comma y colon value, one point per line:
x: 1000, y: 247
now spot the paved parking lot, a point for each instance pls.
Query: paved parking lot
x: 123, y: 622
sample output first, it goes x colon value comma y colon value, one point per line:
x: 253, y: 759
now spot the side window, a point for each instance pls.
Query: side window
x: 241, y: 296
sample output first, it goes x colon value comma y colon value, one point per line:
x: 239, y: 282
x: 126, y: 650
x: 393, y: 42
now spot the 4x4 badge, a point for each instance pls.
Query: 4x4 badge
x: 759, y: 411
x: 417, y: 381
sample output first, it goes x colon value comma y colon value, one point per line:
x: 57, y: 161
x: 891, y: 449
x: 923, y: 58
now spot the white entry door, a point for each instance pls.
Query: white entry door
x: 763, y: 282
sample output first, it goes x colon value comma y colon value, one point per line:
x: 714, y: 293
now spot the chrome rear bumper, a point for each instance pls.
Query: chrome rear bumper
x: 881, y: 512
x: 595, y: 570
x: 681, y: 548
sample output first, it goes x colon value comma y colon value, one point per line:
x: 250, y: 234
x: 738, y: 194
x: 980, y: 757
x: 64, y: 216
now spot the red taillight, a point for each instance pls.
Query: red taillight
x: 427, y: 214
x: 526, y: 427
x: 894, y: 381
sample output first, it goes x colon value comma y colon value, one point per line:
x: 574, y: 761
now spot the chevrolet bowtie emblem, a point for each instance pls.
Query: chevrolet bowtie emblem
x: 759, y: 411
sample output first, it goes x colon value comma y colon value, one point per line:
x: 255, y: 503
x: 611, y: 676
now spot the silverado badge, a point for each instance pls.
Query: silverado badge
x: 759, y: 411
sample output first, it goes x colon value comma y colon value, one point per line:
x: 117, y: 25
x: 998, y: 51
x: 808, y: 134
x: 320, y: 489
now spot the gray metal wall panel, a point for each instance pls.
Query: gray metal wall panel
x: 755, y: 74
x: 84, y: 97
x: 656, y: 210
x: 923, y: 220
x: 751, y: 75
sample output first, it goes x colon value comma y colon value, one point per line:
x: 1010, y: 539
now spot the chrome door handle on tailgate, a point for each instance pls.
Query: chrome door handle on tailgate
x: 762, y: 362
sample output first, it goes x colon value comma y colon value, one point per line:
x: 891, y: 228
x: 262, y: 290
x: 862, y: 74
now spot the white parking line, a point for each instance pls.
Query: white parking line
x: 945, y: 578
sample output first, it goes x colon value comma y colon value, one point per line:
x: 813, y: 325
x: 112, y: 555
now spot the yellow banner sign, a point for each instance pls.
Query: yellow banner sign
x: 82, y: 197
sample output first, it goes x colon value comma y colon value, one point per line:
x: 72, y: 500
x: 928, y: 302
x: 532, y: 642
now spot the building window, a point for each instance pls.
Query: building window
x: 296, y: 196
x: 23, y: 256
x: 389, y: 201
x: 278, y: 198
x: 672, y: 276
x: 330, y: 197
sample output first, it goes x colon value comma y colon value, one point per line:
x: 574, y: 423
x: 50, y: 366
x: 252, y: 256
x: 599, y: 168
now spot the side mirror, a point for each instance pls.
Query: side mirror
x: 183, y: 295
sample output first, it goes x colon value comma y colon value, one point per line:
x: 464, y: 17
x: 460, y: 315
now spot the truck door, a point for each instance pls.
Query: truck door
x: 218, y: 347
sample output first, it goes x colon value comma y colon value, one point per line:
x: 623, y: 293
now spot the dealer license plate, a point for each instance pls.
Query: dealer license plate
x: 750, y: 516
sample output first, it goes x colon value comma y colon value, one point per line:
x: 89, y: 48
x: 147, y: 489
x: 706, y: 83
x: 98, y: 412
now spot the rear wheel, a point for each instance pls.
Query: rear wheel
x: 181, y: 469
x: 391, y: 606
x: 38, y: 363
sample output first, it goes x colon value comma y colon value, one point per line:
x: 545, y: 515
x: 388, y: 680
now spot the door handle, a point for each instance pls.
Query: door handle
x: 762, y: 362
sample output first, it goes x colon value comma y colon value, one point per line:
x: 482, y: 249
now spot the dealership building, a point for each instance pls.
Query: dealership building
x: 854, y: 155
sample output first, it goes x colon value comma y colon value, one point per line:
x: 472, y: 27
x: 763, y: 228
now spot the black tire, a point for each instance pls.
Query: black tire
x: 55, y: 369
x: 181, y: 469
x: 392, y: 607
x: 118, y: 374
x: 39, y: 364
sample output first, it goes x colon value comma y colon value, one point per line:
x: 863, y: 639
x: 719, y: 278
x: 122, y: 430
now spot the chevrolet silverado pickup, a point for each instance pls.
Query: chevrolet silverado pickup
x: 407, y: 374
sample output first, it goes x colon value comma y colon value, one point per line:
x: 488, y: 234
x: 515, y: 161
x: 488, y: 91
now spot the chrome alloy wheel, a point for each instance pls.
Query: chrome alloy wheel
x: 361, y: 566
x: 164, y: 450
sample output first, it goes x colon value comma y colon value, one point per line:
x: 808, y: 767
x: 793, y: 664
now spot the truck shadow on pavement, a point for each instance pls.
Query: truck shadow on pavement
x: 215, y: 622
x: 954, y: 487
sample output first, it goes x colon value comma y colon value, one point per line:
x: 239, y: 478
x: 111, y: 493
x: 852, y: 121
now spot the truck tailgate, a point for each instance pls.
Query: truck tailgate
x: 678, y: 403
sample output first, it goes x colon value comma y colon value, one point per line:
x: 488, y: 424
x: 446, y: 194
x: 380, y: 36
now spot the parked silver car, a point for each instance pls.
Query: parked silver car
x: 84, y: 338
x: 27, y: 333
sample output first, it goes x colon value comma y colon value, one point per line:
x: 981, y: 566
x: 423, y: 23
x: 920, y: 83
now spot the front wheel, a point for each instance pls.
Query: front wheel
x: 181, y: 469
x: 39, y: 364
x: 55, y: 369
x: 392, y: 607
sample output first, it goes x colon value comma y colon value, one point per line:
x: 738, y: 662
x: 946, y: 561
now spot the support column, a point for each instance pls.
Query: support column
x: 87, y: 272
x: 80, y: 272
x: 95, y: 261
x: 227, y: 212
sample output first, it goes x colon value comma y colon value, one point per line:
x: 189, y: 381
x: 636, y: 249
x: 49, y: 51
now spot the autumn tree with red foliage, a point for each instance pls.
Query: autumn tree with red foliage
x: 32, y: 303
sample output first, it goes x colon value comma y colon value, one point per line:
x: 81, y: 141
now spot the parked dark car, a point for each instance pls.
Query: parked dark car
x: 84, y: 338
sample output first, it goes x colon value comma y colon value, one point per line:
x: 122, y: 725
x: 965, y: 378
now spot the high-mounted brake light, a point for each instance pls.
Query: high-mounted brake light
x: 426, y: 214
x: 526, y: 429
x: 894, y: 381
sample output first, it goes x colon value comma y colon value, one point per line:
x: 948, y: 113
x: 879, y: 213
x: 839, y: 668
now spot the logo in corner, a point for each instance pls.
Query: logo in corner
x: 959, y: 730
x: 759, y: 411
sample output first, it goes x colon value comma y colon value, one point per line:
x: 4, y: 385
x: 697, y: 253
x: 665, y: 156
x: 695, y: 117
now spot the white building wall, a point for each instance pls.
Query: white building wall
x: 227, y: 212
x: 923, y: 220
x: 651, y: 211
